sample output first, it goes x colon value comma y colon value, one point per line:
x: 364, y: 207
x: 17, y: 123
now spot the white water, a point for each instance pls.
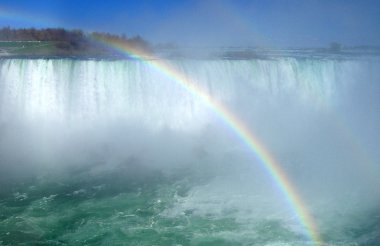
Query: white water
x: 71, y: 91
x: 319, y: 117
x: 294, y: 106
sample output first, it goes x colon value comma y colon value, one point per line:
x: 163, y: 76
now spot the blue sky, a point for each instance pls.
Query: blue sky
x: 273, y: 23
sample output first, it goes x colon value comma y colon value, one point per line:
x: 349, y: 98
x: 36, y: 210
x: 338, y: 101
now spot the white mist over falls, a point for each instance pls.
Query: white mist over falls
x: 114, y: 151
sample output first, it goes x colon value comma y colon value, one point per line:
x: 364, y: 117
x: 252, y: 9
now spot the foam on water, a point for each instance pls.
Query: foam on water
x: 97, y: 151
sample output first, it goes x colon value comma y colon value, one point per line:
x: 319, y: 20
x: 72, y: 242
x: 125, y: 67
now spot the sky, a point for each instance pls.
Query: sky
x: 271, y: 23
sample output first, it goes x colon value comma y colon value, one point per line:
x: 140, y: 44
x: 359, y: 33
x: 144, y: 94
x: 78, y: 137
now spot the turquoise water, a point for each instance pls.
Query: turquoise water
x: 114, y: 153
x: 121, y: 207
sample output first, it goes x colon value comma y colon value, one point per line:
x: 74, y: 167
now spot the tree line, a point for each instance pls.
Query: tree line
x: 70, y: 39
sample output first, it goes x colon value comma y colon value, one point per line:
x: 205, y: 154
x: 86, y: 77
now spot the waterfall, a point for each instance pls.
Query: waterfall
x: 65, y: 90
x: 124, y: 136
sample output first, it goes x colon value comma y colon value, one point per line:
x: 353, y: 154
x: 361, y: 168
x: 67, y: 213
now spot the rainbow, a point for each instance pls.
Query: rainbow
x: 236, y: 125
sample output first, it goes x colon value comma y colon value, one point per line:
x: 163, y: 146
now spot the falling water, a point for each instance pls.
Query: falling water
x: 100, y: 151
